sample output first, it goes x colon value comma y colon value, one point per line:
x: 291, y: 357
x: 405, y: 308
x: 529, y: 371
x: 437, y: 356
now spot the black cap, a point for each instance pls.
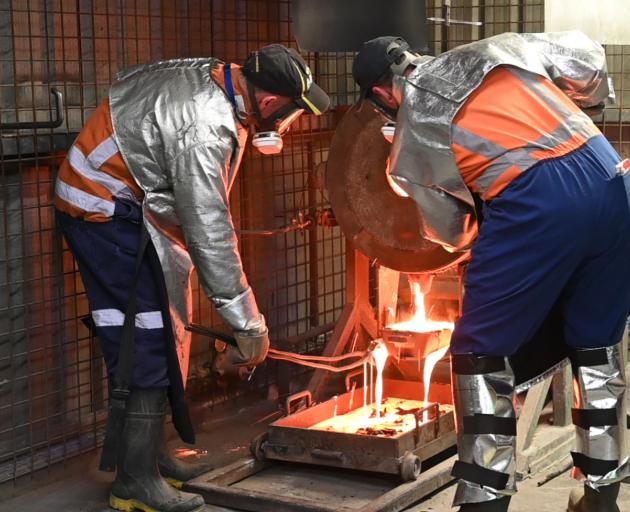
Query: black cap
x: 373, y: 62
x: 281, y: 70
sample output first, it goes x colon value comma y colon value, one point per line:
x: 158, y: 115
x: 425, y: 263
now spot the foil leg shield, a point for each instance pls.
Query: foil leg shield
x: 483, y: 389
x: 601, y: 456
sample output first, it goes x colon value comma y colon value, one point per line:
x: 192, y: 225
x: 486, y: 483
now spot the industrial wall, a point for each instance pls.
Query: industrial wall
x: 52, y: 382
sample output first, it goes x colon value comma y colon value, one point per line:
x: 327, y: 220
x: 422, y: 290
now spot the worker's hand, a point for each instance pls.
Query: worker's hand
x: 251, y: 350
x: 240, y: 360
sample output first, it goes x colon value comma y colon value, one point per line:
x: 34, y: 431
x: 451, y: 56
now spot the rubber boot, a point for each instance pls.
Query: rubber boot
x: 604, y: 499
x: 138, y: 484
x: 500, y: 505
x: 177, y: 471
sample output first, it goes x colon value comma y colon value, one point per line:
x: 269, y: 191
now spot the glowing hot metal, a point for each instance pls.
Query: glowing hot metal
x: 379, y: 356
x: 418, y: 322
x: 429, y: 364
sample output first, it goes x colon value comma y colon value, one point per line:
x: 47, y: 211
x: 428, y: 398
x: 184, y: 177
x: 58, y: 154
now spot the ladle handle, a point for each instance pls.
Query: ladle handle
x: 296, y: 397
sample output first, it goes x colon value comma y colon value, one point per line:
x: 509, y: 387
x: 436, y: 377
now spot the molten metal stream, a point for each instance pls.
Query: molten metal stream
x: 383, y: 416
x: 429, y: 363
x: 379, y: 356
x: 418, y: 322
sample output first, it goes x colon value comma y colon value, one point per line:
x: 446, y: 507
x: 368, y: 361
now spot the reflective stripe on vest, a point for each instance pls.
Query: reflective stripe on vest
x: 498, y: 162
x: 94, y: 173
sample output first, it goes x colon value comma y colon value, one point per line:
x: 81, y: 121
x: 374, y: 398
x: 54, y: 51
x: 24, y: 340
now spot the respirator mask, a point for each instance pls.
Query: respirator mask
x: 269, y: 131
x: 268, y: 134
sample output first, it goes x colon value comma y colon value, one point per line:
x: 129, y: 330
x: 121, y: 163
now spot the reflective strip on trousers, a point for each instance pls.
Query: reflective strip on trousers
x: 116, y: 318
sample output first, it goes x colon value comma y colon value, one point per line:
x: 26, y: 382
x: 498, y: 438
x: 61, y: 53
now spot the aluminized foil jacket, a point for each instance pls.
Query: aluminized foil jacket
x: 178, y: 134
x: 493, y: 394
x: 422, y: 160
x: 603, y: 387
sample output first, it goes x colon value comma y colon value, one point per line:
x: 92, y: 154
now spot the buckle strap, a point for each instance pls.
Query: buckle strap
x: 470, y: 364
x: 113, y: 429
x: 124, y: 372
x: 587, y: 418
x: 591, y: 466
x: 589, y: 357
x: 489, y: 424
x: 480, y: 475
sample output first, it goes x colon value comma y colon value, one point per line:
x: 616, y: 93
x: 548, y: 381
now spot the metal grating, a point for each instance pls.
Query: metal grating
x: 52, y: 380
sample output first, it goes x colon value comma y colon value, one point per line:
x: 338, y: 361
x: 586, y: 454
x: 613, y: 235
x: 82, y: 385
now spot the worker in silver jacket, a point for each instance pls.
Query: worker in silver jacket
x: 494, y: 142
x: 142, y: 197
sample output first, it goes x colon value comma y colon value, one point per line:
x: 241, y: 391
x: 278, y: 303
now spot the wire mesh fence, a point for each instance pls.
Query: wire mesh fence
x: 53, y: 390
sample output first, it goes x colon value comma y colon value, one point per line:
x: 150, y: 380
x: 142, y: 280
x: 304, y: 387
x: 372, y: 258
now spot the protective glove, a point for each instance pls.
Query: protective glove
x: 251, y: 350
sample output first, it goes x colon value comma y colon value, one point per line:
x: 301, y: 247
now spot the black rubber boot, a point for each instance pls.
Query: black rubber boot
x: 177, y: 471
x: 604, y: 499
x: 500, y: 505
x: 138, y: 484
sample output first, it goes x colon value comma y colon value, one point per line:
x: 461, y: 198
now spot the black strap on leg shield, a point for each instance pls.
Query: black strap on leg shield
x: 124, y: 373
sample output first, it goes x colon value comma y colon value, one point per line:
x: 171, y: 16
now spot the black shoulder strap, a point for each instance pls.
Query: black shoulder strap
x: 124, y: 372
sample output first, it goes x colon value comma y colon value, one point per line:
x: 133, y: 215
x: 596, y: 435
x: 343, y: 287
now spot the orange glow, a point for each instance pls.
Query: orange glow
x: 182, y: 453
x: 363, y: 420
x: 418, y: 322
x: 379, y: 356
x: 394, y: 186
x: 429, y: 363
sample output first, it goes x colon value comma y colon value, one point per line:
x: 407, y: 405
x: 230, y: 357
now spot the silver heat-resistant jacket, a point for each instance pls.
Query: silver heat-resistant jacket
x: 422, y: 160
x: 181, y: 140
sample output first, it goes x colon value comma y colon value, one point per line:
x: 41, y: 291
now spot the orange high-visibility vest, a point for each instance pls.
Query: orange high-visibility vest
x: 512, y: 121
x: 94, y: 172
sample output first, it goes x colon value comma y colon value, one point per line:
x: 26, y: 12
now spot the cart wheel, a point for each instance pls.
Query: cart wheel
x: 257, y: 446
x: 410, y: 467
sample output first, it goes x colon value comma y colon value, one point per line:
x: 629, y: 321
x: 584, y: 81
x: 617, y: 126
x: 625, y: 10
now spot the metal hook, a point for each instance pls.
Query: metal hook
x: 53, y: 123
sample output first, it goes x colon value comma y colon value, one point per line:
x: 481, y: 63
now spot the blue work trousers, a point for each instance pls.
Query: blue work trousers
x: 106, y: 255
x: 557, y: 238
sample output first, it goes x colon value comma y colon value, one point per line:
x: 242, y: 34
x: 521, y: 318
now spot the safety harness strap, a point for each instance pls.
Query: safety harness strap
x: 590, y: 466
x: 480, y: 475
x: 124, y: 372
x: 587, y: 418
x: 489, y: 424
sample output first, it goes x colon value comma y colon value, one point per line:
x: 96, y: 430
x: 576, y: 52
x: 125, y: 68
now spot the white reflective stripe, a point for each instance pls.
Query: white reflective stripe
x: 116, y: 318
x: 86, y: 168
x: 103, y: 152
x: 108, y: 317
x: 149, y: 320
x: 83, y: 200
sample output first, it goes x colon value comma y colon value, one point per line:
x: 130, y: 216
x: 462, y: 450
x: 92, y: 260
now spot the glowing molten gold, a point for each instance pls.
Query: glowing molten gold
x: 379, y: 355
x: 418, y: 322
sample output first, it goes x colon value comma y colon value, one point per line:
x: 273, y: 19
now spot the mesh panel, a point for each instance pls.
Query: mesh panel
x: 52, y: 378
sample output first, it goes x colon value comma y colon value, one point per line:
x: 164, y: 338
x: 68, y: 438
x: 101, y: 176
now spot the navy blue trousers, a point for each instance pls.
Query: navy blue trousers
x: 558, y: 237
x: 106, y: 255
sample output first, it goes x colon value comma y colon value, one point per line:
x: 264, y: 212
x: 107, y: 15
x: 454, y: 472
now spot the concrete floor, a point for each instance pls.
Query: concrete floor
x: 79, y: 487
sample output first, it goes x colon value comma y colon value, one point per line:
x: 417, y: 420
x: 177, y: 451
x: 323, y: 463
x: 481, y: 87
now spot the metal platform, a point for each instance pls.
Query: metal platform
x: 272, y: 486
